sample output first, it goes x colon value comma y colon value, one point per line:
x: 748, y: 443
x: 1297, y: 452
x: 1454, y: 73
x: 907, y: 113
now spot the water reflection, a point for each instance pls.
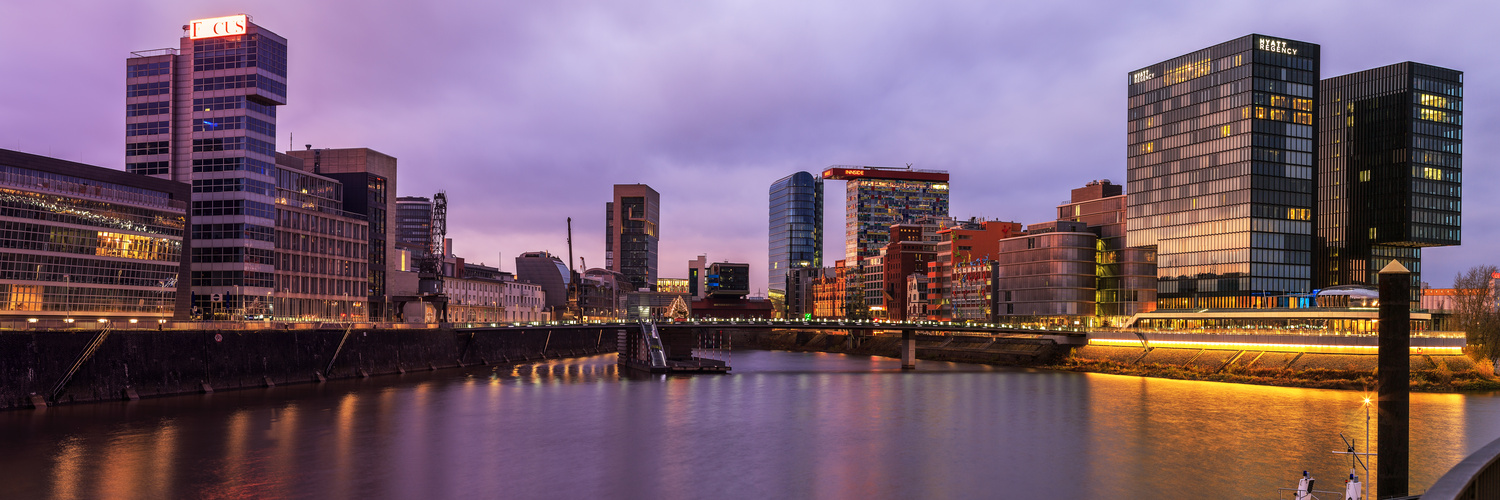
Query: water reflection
x: 783, y: 425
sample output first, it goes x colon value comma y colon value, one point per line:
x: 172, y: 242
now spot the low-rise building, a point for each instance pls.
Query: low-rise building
x: 320, y: 255
x: 831, y: 292
x: 524, y: 302
x: 1047, y: 275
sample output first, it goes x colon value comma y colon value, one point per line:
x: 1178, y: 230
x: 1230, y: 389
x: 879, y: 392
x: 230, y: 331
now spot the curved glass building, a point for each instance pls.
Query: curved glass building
x: 796, y: 230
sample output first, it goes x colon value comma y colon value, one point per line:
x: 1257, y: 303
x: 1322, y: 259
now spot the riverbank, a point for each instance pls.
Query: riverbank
x: 1429, y: 373
x: 42, y: 368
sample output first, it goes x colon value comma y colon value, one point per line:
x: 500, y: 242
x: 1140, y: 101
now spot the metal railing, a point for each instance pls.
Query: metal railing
x: 1474, y: 478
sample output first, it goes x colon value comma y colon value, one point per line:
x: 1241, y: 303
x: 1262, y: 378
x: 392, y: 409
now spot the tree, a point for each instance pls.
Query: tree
x: 1474, y: 311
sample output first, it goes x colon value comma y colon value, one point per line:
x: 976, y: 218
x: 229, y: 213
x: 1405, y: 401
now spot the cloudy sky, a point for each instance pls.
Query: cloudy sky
x: 527, y: 112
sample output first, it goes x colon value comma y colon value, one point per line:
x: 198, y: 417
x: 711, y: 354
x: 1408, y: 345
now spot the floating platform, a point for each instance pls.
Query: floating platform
x: 679, y: 351
x: 682, y: 367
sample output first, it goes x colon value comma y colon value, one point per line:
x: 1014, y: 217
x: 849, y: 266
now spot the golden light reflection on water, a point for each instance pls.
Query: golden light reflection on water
x: 68, y: 469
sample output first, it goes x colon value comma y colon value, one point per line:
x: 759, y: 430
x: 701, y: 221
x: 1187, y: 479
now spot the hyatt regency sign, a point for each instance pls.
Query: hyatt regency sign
x: 1276, y: 46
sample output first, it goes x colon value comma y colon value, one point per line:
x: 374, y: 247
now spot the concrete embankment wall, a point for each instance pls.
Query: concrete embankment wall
x: 1222, y: 359
x: 977, y: 349
x: 158, y: 363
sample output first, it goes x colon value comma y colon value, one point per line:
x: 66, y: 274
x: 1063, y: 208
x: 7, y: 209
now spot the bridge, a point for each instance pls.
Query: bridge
x: 699, y: 345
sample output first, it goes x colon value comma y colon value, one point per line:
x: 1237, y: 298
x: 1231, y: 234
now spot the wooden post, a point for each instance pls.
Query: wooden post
x: 1394, y: 426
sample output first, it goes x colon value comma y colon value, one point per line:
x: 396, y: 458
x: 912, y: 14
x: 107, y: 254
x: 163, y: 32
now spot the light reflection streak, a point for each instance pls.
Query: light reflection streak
x: 67, y: 470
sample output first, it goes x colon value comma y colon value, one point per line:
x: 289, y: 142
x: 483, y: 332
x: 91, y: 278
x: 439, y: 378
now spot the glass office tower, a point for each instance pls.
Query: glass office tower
x: 205, y: 114
x: 796, y: 228
x: 1389, y: 169
x: 1220, y: 164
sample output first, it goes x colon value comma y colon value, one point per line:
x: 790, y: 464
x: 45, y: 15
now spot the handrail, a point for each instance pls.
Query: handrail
x: 1477, y: 476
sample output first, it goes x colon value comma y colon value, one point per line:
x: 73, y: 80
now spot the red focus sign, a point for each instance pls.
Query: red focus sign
x: 218, y: 26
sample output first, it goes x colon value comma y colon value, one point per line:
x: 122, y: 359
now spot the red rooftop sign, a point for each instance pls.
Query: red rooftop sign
x: 218, y: 26
x: 844, y: 174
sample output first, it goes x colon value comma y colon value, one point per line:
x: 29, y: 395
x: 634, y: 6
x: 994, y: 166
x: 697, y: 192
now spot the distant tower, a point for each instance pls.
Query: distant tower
x: 796, y: 227
x: 414, y: 221
x: 631, y: 225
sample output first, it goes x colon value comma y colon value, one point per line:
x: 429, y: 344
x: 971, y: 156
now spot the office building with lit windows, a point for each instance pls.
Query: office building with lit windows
x: 631, y: 224
x: 84, y: 243
x: 205, y: 114
x: 414, y: 222
x: 796, y: 231
x: 1389, y: 169
x: 1126, y: 277
x: 1220, y: 166
x: 875, y: 198
x: 322, y: 253
x: 369, y: 181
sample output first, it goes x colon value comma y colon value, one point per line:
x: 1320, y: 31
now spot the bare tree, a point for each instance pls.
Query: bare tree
x: 1474, y: 310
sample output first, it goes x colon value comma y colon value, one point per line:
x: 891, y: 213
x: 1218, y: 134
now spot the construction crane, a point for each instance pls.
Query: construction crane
x: 430, y: 268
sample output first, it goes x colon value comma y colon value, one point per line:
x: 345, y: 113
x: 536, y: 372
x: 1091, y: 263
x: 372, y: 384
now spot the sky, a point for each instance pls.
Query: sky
x: 526, y: 113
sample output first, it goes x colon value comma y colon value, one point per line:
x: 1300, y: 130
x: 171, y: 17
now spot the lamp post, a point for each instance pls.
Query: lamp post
x: 68, y: 298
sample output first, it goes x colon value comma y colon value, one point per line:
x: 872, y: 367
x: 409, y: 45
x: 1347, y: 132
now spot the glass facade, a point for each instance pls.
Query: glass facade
x: 1389, y: 170
x: 1126, y: 282
x: 796, y: 229
x: 1220, y: 166
x: 1047, y: 273
x: 84, y: 242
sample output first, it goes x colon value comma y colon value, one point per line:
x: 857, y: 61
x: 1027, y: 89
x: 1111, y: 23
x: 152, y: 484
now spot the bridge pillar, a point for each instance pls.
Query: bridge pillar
x: 908, y: 350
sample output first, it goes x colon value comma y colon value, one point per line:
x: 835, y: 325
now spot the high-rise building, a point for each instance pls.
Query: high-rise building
x: 631, y: 224
x: 84, y: 243
x: 205, y: 114
x: 1389, y: 165
x: 796, y: 230
x: 1126, y: 281
x: 1220, y: 163
x: 414, y: 222
x: 877, y: 197
x: 369, y: 179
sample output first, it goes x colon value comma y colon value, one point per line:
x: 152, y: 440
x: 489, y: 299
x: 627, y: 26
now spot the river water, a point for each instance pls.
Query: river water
x: 783, y: 425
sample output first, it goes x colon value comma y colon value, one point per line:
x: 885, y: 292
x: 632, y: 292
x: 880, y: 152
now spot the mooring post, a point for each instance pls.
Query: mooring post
x: 1394, y: 426
x: 908, y: 350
